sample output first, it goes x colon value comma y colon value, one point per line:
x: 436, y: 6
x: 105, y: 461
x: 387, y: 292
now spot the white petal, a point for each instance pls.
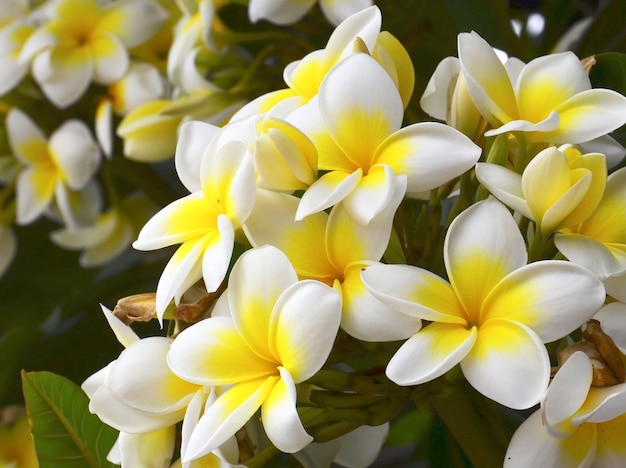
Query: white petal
x: 280, y: 417
x: 361, y: 447
x: 153, y: 449
x: 277, y: 11
x: 124, y: 334
x: 217, y: 254
x: 303, y: 327
x: 505, y: 185
x: 590, y: 253
x: 365, y: 25
x: 134, y: 21
x: 327, y: 191
x: 336, y: 12
x: 435, y: 100
x: 508, y: 364
x: 193, y: 138
x: 612, y: 318
x: 549, y: 124
x: 531, y: 445
x: 430, y: 353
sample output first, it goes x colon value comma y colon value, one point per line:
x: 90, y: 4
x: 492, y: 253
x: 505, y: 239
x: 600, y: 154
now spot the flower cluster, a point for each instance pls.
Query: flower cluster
x: 333, y: 262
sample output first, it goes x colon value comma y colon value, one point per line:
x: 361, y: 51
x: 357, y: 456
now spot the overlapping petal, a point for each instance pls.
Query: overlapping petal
x: 280, y: 418
x: 327, y: 191
x: 302, y: 341
x: 508, y: 363
x: 430, y: 353
x: 505, y: 185
x: 546, y: 297
x: 482, y: 246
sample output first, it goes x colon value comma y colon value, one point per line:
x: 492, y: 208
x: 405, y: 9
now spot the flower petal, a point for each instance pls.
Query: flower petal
x: 415, y: 292
x: 110, y: 59
x: 75, y: 153
x: 531, y: 445
x: 365, y: 317
x: 256, y: 282
x: 505, y: 185
x: 590, y: 253
x: 227, y: 415
x: 612, y: 318
x: 303, y: 327
x: 482, y: 246
x: 429, y: 153
x: 212, y: 352
x: 327, y: 191
x: 133, y: 22
x: 508, y: 364
x: 280, y: 417
x: 430, y: 353
x: 35, y: 190
x: 193, y: 138
x: 373, y: 194
x: 552, y: 297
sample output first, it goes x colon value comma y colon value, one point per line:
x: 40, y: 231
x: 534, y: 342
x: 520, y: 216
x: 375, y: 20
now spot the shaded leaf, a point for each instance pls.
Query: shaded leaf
x: 66, y: 434
x: 607, y: 32
x: 609, y: 71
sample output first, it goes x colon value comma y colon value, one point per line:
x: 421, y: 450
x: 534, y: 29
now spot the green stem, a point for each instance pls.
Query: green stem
x: 477, y: 436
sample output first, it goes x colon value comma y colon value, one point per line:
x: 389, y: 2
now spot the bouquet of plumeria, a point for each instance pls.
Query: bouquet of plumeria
x: 346, y: 269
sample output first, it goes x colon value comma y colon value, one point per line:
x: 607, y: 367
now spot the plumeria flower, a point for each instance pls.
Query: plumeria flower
x: 221, y: 182
x: 15, y: 29
x: 599, y: 242
x: 86, y: 41
x: 455, y: 107
x: 111, y: 234
x: 333, y: 249
x: 288, y: 12
x: 304, y: 77
x: 578, y: 424
x: 549, y: 99
x: 138, y: 395
x: 52, y: 168
x: 142, y: 83
x: 280, y: 333
x: 493, y: 315
x: 355, y: 123
x: 149, y: 134
x: 559, y: 188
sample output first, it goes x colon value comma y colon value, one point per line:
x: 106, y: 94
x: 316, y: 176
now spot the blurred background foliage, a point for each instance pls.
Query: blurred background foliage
x: 50, y: 318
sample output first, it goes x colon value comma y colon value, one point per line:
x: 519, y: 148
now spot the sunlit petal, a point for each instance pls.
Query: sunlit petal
x: 415, y: 292
x: 303, y: 327
x: 531, y: 445
x: 430, y: 353
x: 372, y: 195
x: 280, y: 418
x: 256, y: 282
x: 552, y: 297
x: 227, y: 415
x: 212, y: 352
x: 508, y: 364
x: 429, y: 153
x: 482, y: 246
x: 327, y: 191
x: 193, y: 138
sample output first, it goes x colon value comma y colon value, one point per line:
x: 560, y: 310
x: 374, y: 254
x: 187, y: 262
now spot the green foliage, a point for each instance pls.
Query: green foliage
x: 66, y: 434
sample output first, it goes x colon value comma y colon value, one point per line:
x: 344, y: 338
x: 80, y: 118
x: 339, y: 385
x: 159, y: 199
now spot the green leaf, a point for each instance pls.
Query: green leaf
x: 609, y: 71
x: 66, y: 434
x: 606, y: 33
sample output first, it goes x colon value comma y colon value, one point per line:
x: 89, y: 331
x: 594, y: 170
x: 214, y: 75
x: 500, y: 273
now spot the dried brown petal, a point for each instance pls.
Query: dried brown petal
x: 136, y: 308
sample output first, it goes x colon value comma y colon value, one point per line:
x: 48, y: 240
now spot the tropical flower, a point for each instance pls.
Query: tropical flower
x: 15, y: 29
x: 139, y: 396
x: 221, y: 182
x: 52, y: 168
x: 578, y: 424
x: 493, y: 315
x: 559, y: 188
x: 279, y: 333
x: 599, y: 242
x: 549, y: 99
x: 84, y: 41
x: 287, y: 12
x: 16, y: 443
x: 355, y: 125
x: 333, y: 249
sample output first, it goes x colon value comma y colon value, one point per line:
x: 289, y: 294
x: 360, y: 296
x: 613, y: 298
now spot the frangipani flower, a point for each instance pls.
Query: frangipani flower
x: 495, y: 313
x: 550, y: 98
x: 304, y: 77
x: 280, y: 333
x: 53, y: 167
x: 84, y: 41
x: 355, y: 125
x: 559, y: 188
x: 599, y: 242
x: 111, y: 234
x: 138, y: 395
x: 142, y: 83
x: 13, y: 36
x: 149, y: 134
x: 221, y: 182
x: 289, y: 11
x: 577, y: 425
x: 333, y: 249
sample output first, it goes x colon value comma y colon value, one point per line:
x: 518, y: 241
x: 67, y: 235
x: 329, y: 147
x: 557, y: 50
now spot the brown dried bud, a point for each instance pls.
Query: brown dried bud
x: 201, y: 308
x: 605, y: 357
x: 136, y: 308
x: 588, y: 63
